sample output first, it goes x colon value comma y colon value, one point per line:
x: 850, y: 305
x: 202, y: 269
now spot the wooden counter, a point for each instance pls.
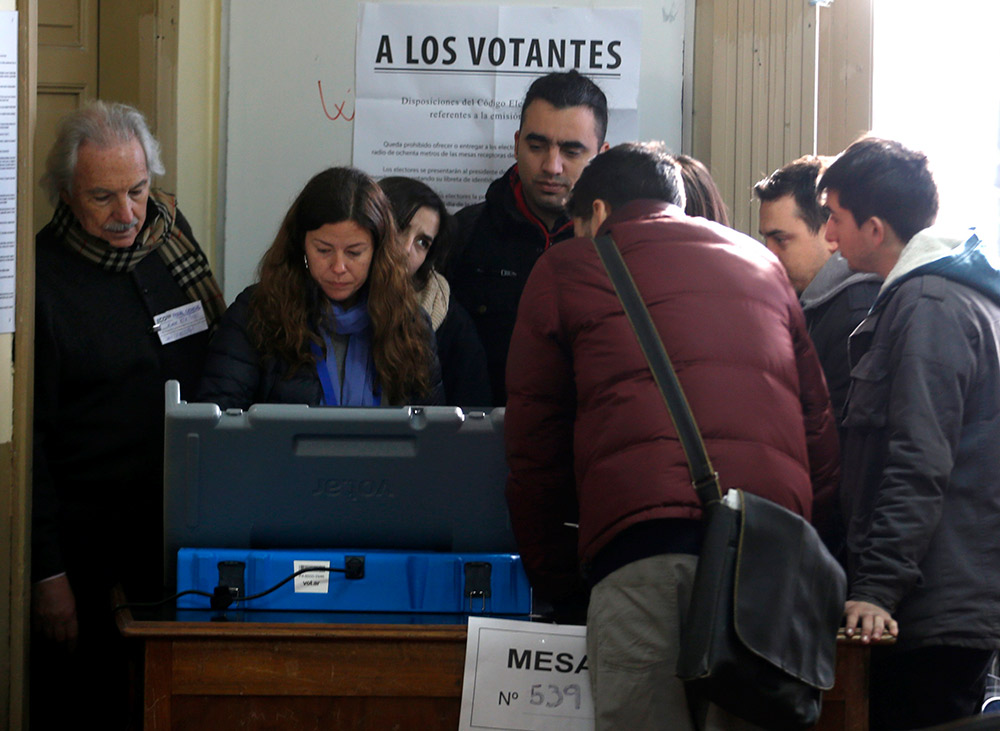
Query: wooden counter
x: 303, y: 676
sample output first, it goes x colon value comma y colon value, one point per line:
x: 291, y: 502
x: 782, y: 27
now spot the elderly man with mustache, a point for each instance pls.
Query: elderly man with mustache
x: 125, y: 300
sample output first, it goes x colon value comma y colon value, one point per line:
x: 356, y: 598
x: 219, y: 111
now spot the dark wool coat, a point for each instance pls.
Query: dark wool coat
x: 98, y: 420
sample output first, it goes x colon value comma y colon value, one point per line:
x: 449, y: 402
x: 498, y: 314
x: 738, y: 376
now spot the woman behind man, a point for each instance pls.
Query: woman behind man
x: 332, y: 319
x: 700, y: 191
x: 425, y: 231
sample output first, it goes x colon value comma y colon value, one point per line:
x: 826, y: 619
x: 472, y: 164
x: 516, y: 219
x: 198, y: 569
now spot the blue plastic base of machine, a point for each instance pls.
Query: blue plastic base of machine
x: 392, y: 581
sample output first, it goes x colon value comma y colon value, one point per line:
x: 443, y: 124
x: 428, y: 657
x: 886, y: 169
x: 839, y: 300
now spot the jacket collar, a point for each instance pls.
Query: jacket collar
x: 643, y: 208
x: 958, y: 257
x: 505, y: 197
x: 833, y: 278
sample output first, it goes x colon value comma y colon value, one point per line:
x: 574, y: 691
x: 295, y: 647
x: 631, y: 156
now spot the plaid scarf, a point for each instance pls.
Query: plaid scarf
x: 185, y: 261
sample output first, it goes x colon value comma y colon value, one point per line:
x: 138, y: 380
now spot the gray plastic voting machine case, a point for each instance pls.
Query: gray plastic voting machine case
x: 292, y: 476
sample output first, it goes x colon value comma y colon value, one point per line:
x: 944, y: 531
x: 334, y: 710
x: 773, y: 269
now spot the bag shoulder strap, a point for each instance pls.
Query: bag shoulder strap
x: 704, y: 477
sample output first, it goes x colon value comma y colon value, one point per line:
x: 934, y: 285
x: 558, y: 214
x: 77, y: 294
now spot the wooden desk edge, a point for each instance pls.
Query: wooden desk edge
x: 131, y: 627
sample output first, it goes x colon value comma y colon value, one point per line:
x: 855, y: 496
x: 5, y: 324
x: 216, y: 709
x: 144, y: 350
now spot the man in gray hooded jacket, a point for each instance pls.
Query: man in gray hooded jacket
x: 921, y: 484
x: 834, y: 299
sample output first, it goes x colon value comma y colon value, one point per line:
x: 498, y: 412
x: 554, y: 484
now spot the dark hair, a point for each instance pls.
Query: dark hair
x: 287, y: 302
x: 797, y: 179
x: 703, y: 196
x: 876, y: 177
x: 627, y: 172
x: 407, y: 196
x: 570, y: 89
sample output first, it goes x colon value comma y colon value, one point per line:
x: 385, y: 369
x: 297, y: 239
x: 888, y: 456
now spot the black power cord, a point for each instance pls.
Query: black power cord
x: 222, y: 598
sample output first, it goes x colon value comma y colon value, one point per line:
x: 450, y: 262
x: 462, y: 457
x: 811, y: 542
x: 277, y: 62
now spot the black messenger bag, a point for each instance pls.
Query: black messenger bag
x: 760, y: 635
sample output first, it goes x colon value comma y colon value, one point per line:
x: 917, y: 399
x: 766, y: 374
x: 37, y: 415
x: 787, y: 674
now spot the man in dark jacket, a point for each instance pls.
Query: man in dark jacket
x: 564, y: 119
x: 124, y: 301
x: 835, y: 299
x: 921, y: 487
x: 590, y: 441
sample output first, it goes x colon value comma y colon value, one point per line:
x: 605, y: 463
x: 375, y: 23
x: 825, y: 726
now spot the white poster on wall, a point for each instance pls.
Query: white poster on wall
x: 8, y: 167
x: 439, y: 87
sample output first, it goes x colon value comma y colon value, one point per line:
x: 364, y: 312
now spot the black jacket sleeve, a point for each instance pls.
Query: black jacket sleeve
x: 463, y: 360
x: 232, y: 373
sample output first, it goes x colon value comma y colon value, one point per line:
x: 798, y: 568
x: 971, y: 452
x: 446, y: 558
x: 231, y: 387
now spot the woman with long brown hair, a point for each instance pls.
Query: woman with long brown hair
x: 333, y: 319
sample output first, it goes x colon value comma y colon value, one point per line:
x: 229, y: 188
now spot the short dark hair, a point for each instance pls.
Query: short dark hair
x: 627, y: 172
x: 797, y: 179
x: 703, y: 196
x: 877, y: 177
x: 570, y: 89
x: 407, y: 196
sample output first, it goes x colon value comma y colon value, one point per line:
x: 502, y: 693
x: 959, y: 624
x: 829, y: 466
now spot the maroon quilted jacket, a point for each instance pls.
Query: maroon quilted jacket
x: 588, y: 436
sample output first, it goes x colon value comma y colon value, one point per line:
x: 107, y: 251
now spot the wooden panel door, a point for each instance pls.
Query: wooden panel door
x: 67, y: 76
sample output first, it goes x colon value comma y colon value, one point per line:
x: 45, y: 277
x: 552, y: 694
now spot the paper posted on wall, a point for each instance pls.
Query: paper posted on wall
x: 439, y: 87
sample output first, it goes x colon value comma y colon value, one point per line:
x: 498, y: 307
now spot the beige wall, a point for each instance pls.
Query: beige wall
x: 773, y: 80
x: 754, y: 93
x: 198, y: 117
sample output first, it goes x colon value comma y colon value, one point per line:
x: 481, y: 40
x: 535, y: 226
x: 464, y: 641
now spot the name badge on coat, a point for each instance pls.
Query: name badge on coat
x: 180, y: 322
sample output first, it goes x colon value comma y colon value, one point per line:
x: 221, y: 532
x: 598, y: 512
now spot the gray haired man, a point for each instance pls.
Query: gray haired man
x: 115, y: 266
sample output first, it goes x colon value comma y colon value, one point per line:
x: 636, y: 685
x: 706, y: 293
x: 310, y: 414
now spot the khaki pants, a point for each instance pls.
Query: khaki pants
x: 633, y: 635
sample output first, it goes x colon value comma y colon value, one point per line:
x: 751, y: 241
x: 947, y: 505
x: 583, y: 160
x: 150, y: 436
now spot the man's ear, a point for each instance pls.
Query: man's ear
x: 875, y: 227
x: 600, y: 210
x: 831, y: 246
x: 517, y: 136
x: 605, y: 147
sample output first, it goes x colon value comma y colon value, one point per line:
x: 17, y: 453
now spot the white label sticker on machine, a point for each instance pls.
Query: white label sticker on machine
x: 526, y: 676
x: 312, y: 582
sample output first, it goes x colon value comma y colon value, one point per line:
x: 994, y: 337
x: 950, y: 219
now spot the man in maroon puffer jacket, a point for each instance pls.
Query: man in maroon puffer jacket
x: 590, y: 441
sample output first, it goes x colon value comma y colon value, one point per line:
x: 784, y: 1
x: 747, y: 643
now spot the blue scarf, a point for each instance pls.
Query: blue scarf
x: 358, y: 388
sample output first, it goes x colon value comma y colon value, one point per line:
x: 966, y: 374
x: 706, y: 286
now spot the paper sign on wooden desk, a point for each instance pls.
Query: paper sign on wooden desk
x: 525, y: 676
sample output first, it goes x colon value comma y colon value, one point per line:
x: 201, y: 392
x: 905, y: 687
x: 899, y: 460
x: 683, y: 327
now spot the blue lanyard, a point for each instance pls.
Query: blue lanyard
x: 330, y: 394
x: 323, y: 371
